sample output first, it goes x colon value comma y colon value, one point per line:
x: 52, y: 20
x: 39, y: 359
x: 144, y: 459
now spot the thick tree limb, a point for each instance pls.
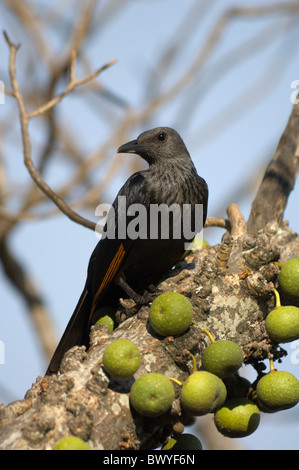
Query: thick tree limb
x: 84, y: 401
x: 230, y: 286
x: 231, y: 289
x: 279, y: 179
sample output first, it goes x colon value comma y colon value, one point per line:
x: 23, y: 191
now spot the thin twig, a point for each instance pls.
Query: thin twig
x: 74, y: 82
x: 217, y: 222
x: 207, y: 49
x: 25, y: 117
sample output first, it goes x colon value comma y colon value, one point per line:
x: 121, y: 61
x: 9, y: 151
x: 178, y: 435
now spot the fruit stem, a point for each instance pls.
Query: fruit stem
x: 194, y: 362
x: 280, y: 265
x: 209, y: 334
x: 277, y: 297
x: 272, y: 368
x: 176, y: 381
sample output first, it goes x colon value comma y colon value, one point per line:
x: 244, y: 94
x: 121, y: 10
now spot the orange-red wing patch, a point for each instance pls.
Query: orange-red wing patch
x: 110, y: 273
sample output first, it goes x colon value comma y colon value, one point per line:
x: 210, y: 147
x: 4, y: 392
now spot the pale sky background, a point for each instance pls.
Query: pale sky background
x: 231, y: 137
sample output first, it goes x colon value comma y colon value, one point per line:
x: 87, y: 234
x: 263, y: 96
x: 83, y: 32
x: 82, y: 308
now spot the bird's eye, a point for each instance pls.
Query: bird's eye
x: 162, y: 136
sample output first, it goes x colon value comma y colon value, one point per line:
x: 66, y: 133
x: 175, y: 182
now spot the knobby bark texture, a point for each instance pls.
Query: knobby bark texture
x: 230, y: 286
x: 279, y: 178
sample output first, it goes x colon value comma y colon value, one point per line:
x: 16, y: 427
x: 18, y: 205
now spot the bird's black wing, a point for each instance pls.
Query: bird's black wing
x: 103, y: 266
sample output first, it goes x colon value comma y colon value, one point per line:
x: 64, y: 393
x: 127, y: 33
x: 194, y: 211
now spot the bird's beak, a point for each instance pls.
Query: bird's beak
x: 129, y: 147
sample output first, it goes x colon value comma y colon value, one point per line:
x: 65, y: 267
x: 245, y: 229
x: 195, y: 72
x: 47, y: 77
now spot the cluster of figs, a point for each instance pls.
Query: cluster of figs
x: 216, y: 388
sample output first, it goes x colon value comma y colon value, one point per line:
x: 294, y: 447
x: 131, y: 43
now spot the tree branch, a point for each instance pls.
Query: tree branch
x: 25, y: 118
x: 217, y: 222
x: 73, y: 83
x: 279, y: 179
x: 230, y: 287
x: 82, y: 400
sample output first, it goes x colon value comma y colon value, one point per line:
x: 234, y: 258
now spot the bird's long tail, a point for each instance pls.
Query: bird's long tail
x: 76, y: 332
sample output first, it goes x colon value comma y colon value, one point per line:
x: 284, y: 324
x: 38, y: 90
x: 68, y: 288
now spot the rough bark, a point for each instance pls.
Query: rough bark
x: 230, y: 285
x: 279, y: 178
x: 231, y: 288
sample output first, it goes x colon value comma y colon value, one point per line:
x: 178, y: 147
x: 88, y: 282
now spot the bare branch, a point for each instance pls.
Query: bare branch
x: 217, y: 222
x: 30, y: 21
x: 73, y: 83
x: 96, y: 407
x: 279, y: 179
x: 237, y: 221
x: 209, y: 46
x: 25, y: 117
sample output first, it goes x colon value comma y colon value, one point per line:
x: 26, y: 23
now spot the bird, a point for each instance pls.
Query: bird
x: 125, y: 264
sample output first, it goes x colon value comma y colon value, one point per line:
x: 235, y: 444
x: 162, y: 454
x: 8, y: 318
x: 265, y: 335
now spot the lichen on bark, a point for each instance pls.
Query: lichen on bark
x: 231, y: 299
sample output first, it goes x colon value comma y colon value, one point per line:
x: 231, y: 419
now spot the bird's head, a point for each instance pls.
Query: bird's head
x: 157, y: 145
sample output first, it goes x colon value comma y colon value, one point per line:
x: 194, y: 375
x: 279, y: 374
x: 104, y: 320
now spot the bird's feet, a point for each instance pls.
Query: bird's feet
x: 140, y: 299
x: 148, y: 295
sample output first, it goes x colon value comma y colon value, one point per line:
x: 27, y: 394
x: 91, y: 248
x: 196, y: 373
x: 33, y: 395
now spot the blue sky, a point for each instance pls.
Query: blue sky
x: 231, y: 133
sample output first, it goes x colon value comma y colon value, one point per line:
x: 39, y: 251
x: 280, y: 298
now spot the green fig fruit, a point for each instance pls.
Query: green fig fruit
x: 222, y: 358
x: 238, y: 417
x: 202, y: 393
x: 152, y: 394
x: 121, y: 358
x: 183, y: 442
x: 282, y: 324
x: 170, y: 314
x: 278, y: 390
x: 71, y: 443
x: 104, y: 316
x: 289, y: 279
x: 106, y: 320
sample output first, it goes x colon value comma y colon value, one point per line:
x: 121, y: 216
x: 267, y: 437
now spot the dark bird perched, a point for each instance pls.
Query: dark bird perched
x: 124, y: 265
